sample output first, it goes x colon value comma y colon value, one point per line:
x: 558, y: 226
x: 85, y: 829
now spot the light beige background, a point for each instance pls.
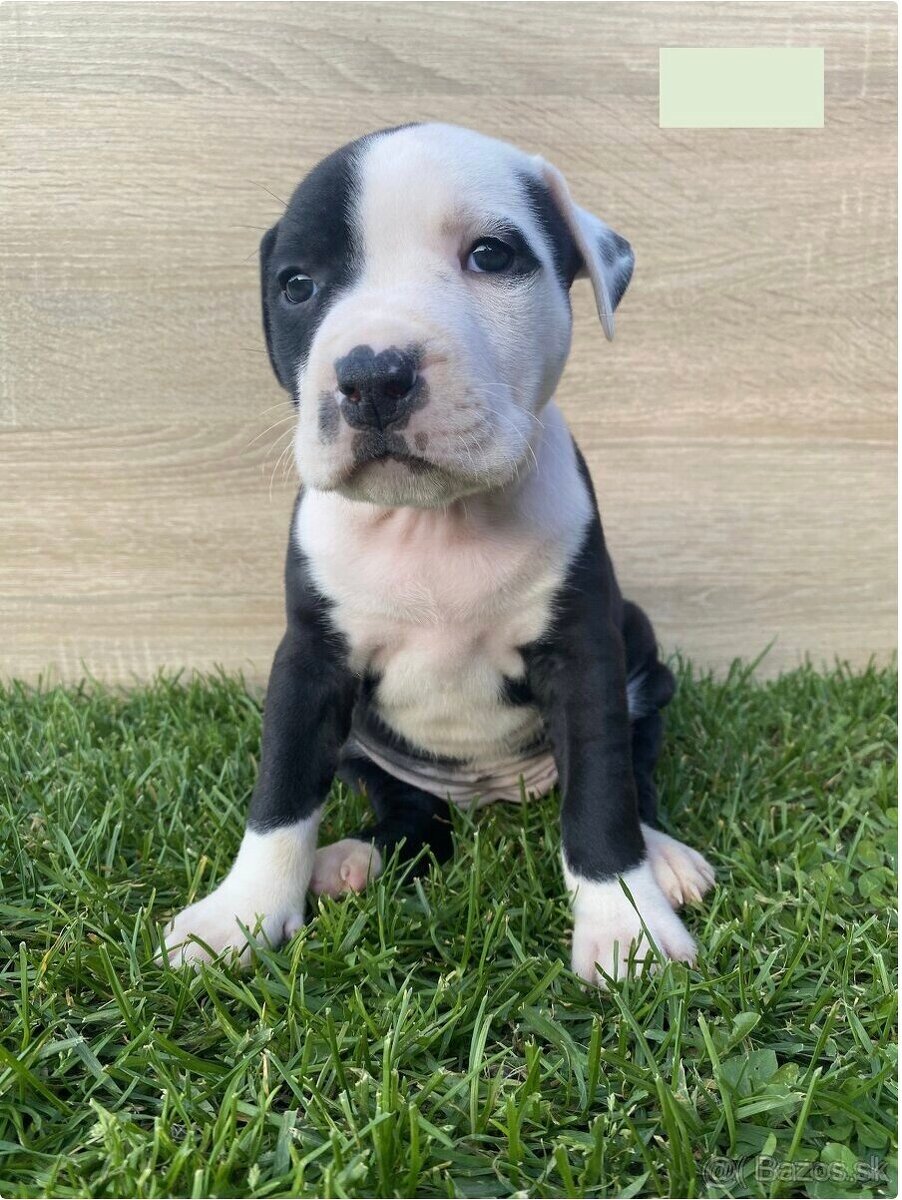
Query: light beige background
x: 741, y: 429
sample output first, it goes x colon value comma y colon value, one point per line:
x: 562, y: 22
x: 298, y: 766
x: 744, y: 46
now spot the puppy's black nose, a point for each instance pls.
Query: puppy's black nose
x: 378, y: 389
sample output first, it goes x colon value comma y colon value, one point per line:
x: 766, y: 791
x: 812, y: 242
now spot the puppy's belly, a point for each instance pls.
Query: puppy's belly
x: 461, y: 737
x: 528, y: 773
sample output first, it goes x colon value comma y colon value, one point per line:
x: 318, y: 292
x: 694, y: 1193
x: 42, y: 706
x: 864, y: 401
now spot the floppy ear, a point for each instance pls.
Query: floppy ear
x: 266, y: 247
x: 607, y: 257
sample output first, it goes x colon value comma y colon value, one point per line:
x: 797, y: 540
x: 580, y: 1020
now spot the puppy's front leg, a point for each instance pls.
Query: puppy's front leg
x: 577, y: 673
x: 305, y: 722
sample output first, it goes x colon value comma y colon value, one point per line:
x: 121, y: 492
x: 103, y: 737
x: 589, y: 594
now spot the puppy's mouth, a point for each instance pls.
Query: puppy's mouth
x: 383, y: 446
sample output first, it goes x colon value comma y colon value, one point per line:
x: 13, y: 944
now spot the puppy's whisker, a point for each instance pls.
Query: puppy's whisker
x: 269, y: 192
x: 462, y: 438
x: 272, y: 478
x: 277, y: 444
x: 276, y: 425
x: 289, y: 462
x: 272, y: 408
x: 512, y: 425
x: 492, y: 393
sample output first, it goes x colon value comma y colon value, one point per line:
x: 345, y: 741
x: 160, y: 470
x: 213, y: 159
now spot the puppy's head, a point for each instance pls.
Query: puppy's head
x: 416, y: 307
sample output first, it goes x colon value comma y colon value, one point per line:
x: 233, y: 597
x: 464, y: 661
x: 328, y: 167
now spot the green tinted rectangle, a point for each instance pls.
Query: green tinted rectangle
x: 731, y: 87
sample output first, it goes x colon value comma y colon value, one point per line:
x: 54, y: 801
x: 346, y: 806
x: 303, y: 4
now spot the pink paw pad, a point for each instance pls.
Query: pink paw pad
x: 345, y: 866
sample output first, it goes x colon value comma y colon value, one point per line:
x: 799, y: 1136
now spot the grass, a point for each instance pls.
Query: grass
x: 429, y: 1039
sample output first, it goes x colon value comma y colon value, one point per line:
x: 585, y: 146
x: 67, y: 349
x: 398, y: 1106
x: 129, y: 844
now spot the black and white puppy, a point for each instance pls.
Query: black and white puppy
x: 454, y: 623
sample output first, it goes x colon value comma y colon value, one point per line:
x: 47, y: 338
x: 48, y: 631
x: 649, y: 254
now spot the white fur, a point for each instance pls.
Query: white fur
x: 607, y: 924
x: 681, y: 872
x: 264, y: 891
x: 436, y: 601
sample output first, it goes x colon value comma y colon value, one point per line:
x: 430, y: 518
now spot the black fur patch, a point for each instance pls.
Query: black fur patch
x: 317, y: 235
x: 567, y: 258
x: 309, y: 701
x: 616, y: 252
x: 577, y: 671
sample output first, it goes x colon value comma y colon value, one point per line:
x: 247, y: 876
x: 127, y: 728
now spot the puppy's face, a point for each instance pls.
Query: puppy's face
x: 415, y: 303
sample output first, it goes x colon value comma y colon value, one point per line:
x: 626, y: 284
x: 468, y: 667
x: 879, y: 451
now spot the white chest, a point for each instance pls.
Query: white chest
x: 435, y: 604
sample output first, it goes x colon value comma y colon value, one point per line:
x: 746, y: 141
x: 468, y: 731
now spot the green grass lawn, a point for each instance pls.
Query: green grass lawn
x: 429, y: 1039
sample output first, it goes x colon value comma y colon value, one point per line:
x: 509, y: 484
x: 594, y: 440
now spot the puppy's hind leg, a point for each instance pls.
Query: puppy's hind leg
x: 406, y: 817
x: 647, y: 735
x: 650, y: 687
x: 681, y: 872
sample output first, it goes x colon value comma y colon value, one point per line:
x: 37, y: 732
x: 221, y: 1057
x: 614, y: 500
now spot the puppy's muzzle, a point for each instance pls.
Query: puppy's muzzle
x: 379, y: 391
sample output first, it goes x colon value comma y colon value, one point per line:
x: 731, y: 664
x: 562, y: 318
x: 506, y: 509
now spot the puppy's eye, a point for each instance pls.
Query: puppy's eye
x: 489, y: 256
x: 298, y: 288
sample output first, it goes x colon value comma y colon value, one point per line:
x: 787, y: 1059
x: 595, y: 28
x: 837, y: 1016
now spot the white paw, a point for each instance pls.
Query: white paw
x: 683, y: 875
x: 345, y: 866
x: 264, y: 892
x: 607, y: 926
x: 213, y: 925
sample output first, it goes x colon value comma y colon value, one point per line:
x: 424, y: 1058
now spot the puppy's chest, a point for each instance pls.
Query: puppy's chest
x: 436, y: 611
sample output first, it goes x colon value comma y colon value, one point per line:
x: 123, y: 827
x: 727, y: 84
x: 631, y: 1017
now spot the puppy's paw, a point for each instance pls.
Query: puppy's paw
x: 264, y: 892
x: 345, y: 866
x: 607, y: 926
x: 212, y: 926
x: 681, y: 872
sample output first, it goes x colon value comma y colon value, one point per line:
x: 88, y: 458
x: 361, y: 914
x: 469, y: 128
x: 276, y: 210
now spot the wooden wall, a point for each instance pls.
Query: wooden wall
x: 741, y: 429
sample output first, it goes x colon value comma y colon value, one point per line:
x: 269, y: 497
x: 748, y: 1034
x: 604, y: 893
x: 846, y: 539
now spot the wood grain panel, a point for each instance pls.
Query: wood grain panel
x: 281, y: 50
x: 742, y: 426
x: 165, y: 546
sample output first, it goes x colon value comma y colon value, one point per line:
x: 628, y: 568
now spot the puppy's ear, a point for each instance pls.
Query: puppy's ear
x: 607, y: 257
x: 266, y: 247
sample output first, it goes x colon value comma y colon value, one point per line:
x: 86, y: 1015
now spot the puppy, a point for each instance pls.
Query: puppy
x: 454, y: 625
